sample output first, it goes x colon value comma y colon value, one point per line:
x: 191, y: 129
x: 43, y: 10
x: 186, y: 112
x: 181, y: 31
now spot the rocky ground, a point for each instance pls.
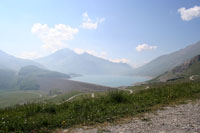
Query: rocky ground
x: 183, y: 118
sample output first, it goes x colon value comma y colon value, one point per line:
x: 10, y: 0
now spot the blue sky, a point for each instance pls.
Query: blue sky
x: 133, y: 31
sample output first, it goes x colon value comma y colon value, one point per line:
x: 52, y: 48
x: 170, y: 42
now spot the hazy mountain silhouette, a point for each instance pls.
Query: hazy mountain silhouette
x: 67, y: 61
x: 13, y: 63
x: 167, y: 62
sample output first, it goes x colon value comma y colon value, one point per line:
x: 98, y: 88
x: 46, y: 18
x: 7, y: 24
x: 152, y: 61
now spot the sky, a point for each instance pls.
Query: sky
x: 129, y: 31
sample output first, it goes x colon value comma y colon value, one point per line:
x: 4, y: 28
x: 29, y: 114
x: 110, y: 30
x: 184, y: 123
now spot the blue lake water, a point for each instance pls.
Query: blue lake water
x: 110, y: 80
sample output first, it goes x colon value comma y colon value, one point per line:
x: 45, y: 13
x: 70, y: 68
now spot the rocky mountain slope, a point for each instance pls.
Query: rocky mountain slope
x: 186, y: 70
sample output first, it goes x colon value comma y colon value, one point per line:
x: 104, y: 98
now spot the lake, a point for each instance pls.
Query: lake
x: 110, y: 80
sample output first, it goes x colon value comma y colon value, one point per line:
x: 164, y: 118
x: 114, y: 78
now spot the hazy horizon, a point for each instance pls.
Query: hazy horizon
x: 120, y: 31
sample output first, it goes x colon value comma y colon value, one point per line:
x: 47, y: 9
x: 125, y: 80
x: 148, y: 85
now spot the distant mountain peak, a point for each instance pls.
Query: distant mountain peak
x: 64, y: 51
x: 67, y: 61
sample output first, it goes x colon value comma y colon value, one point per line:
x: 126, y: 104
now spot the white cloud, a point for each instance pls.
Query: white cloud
x: 102, y: 55
x: 189, y: 14
x: 122, y: 60
x: 30, y: 55
x: 78, y: 51
x: 91, y: 52
x: 53, y: 37
x: 142, y: 47
x: 89, y: 23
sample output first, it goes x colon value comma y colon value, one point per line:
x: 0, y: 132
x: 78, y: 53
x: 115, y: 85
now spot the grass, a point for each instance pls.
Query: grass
x: 62, y: 97
x: 88, y: 111
x: 138, y: 87
x: 11, y: 98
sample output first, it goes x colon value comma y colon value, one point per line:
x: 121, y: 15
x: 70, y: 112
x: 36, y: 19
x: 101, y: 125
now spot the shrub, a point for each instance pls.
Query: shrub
x: 117, y: 97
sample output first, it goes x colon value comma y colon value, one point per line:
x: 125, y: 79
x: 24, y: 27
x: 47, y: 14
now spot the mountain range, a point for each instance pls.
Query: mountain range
x: 67, y: 61
x: 167, y: 62
x: 53, y: 72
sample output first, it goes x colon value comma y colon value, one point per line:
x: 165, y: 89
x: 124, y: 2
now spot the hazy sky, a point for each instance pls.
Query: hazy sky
x: 133, y: 31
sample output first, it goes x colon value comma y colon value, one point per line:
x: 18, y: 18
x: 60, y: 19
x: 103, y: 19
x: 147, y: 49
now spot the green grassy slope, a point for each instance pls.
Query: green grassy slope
x: 11, y: 98
x: 116, y: 104
x: 61, y: 98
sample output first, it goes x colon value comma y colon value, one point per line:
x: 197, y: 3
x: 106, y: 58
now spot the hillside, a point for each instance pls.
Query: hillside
x: 28, y: 75
x: 34, y: 78
x: 31, y: 77
x: 13, y: 63
x: 186, y: 70
x: 111, y: 107
x: 39, y: 72
x: 167, y: 62
x: 67, y: 61
x: 33, y: 84
x: 65, y: 85
x: 7, y: 79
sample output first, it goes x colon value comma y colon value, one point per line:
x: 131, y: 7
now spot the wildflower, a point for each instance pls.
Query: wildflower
x: 63, y: 123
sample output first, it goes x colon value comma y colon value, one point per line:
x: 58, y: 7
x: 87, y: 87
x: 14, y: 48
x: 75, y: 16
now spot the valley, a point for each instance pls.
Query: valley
x: 55, y: 98
x: 100, y: 66
x: 42, y: 83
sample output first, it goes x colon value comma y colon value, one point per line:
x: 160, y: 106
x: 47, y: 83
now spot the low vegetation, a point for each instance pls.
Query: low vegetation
x: 88, y: 111
x: 13, y: 97
x: 62, y: 97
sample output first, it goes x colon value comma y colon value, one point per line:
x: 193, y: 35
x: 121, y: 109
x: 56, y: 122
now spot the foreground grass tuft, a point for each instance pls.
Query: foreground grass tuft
x: 88, y: 111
